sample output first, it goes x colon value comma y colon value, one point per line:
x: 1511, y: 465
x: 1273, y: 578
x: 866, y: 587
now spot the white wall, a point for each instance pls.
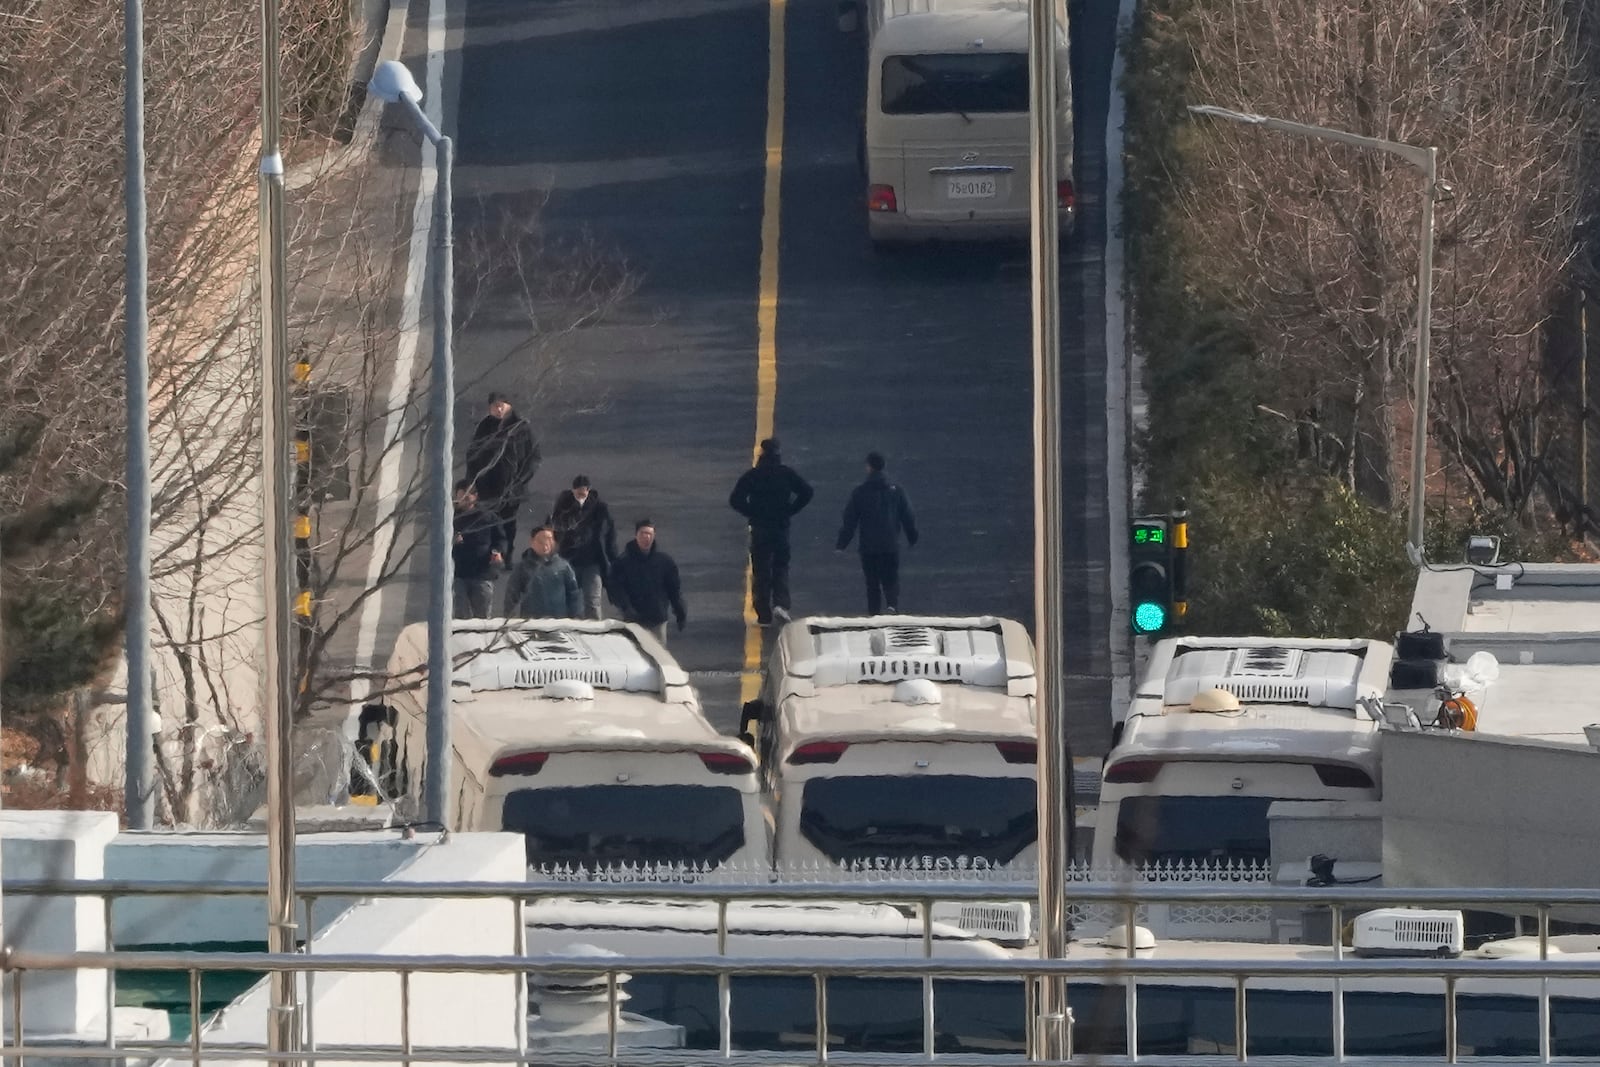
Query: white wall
x: 56, y: 846
x: 447, y: 1010
x: 362, y: 856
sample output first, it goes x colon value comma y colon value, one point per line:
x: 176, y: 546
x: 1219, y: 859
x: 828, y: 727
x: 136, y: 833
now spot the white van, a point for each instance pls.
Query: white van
x: 946, y: 120
x: 1221, y: 727
x: 899, y: 741
x: 586, y: 738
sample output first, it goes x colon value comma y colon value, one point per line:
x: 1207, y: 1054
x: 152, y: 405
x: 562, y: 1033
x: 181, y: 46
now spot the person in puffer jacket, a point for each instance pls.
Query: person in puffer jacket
x: 543, y: 585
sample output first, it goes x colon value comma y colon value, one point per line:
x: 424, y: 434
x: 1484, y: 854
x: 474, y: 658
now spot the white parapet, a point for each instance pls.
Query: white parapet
x: 56, y: 846
x: 481, y: 1011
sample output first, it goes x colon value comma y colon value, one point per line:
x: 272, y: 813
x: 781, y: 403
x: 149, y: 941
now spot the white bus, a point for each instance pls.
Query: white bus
x: 984, y: 1020
x: 586, y: 738
x: 945, y: 145
x: 899, y: 740
x: 1220, y: 727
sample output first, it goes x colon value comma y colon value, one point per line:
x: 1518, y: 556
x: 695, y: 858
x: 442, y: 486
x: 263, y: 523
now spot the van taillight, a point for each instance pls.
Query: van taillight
x: 881, y: 198
x: 521, y: 763
x: 819, y: 752
x: 1339, y: 776
x: 1018, y: 751
x: 1132, y: 770
x: 725, y: 763
x: 1065, y: 195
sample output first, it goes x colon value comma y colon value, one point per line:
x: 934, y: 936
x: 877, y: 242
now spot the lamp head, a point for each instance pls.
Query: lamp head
x: 392, y: 82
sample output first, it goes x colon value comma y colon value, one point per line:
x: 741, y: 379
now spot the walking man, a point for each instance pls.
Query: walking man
x: 542, y: 585
x: 644, y: 583
x: 476, y: 553
x: 768, y: 495
x: 880, y: 510
x: 502, y: 459
x: 587, y: 539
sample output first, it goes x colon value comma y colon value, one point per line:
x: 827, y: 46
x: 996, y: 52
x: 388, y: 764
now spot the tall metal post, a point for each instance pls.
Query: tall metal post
x: 1055, y: 765
x: 276, y: 465
x: 1584, y: 412
x: 3, y: 940
x: 392, y: 82
x: 441, y: 528
x: 1419, y: 390
x: 139, y: 793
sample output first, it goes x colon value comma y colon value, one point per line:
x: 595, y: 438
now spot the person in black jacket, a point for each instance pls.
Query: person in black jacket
x: 880, y: 510
x: 502, y: 459
x: 768, y: 495
x: 644, y: 583
x: 587, y: 539
x: 475, y: 554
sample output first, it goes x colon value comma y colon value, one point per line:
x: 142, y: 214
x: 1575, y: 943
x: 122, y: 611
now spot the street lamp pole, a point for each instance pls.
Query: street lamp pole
x: 277, y: 690
x: 1055, y: 766
x: 139, y: 791
x: 1427, y: 161
x: 392, y: 82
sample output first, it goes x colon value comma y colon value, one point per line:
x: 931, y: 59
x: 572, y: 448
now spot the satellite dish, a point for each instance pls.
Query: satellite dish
x: 1216, y: 701
x: 1481, y: 669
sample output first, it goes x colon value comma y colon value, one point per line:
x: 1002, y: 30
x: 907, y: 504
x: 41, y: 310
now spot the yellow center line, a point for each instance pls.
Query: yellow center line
x: 767, y: 307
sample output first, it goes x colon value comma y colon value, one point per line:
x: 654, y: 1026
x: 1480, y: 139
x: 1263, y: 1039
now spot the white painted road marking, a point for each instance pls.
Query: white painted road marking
x: 405, y: 363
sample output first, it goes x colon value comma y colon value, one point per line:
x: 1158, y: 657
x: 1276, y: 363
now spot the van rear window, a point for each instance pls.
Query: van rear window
x: 958, y: 83
x: 606, y: 825
x: 945, y: 816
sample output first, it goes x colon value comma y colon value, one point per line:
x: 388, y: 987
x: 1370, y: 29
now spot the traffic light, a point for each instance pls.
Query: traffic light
x: 1150, y: 600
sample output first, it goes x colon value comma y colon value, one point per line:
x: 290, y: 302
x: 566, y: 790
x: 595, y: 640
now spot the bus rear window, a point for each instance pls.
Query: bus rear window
x: 943, y: 816
x: 956, y: 83
x: 1164, y: 829
x: 607, y: 825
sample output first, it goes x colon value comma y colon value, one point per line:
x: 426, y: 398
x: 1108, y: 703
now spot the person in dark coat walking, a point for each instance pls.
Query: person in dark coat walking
x: 475, y: 553
x: 587, y: 539
x: 502, y: 459
x: 542, y: 585
x: 881, y: 512
x: 768, y: 495
x: 644, y: 583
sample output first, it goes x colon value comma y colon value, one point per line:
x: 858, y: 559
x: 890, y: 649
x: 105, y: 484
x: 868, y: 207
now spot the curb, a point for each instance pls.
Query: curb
x: 1125, y: 399
x: 365, y: 134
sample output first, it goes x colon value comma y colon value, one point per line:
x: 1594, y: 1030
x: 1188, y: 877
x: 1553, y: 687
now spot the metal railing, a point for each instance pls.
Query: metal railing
x: 1128, y: 970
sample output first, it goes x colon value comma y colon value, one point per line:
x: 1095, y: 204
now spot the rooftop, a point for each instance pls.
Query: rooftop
x: 1541, y: 622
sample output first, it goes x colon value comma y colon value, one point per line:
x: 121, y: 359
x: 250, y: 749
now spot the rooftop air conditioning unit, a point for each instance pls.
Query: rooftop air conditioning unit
x: 1008, y: 923
x: 1407, y: 932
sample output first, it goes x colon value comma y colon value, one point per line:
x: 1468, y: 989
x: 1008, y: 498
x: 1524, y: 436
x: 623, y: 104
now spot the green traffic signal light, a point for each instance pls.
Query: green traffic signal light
x: 1150, y: 577
x: 1149, y: 617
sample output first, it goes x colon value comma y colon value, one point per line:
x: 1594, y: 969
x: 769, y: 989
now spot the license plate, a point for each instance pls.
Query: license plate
x: 981, y: 188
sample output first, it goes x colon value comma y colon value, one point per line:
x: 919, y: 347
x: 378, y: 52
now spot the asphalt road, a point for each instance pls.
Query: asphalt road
x: 639, y: 130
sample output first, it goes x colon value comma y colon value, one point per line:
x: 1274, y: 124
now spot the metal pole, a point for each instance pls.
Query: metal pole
x: 1419, y: 420
x: 277, y: 690
x: 1055, y: 763
x: 1583, y: 414
x: 441, y: 529
x: 139, y: 795
x: 110, y: 977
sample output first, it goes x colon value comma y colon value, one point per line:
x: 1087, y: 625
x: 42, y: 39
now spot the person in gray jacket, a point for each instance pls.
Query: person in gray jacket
x: 543, y: 585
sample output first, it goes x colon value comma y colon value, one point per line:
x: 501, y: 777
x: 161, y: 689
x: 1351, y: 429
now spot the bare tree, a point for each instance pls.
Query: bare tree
x: 1315, y: 245
x: 349, y: 235
x: 61, y: 361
